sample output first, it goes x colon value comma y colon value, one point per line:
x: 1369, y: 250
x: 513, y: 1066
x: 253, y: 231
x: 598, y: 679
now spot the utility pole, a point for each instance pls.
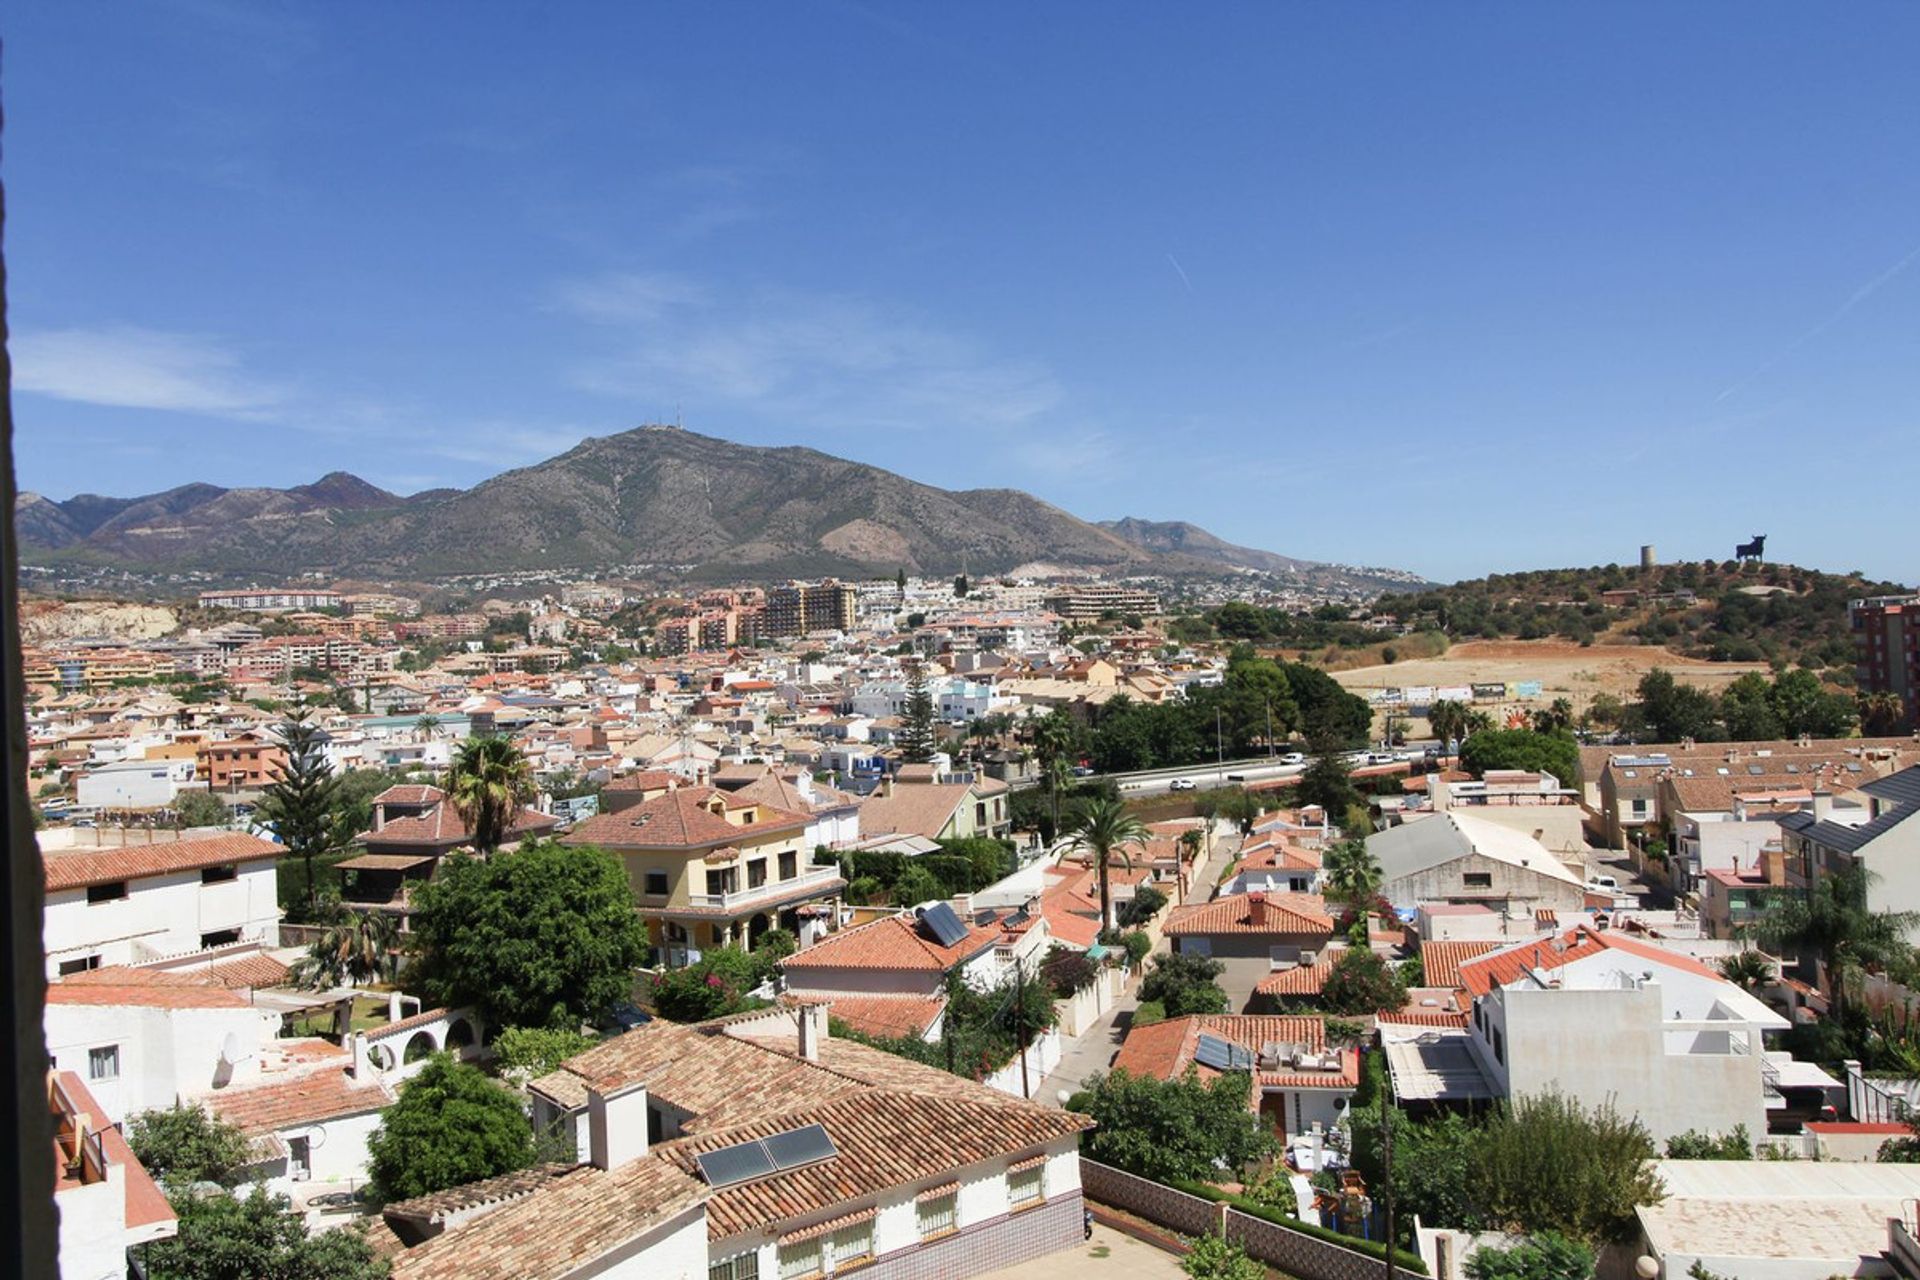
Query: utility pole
x: 1020, y: 1022
x: 1268, y: 704
x: 1219, y: 752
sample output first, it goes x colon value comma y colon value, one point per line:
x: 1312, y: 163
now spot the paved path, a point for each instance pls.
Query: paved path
x: 1094, y: 1049
x: 1110, y: 1255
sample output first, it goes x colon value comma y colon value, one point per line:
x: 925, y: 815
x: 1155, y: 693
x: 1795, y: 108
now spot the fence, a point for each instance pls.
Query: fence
x: 1294, y: 1252
x: 1042, y: 1055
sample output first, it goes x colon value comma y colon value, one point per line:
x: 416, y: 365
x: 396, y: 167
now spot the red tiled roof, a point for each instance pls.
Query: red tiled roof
x: 1300, y: 980
x: 143, y: 989
x: 1510, y: 965
x: 410, y: 795
x: 257, y: 970
x: 896, y: 942
x: 681, y: 820
x: 1165, y: 1050
x: 75, y: 869
x: 1440, y: 961
x: 888, y: 1016
x: 443, y: 825
x: 146, y: 1205
x: 420, y: 1019
x: 306, y: 1099
x: 1289, y: 914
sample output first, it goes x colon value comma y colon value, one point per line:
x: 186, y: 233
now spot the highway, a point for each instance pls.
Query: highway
x: 1153, y: 782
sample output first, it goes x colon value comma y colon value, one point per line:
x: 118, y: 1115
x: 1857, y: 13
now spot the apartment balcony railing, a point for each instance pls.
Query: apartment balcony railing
x: 740, y: 899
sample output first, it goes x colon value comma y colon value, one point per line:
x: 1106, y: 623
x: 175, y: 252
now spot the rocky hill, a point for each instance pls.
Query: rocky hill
x: 654, y: 495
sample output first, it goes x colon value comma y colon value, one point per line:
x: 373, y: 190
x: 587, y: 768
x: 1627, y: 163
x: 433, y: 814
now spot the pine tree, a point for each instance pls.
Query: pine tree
x: 298, y: 804
x: 917, y: 733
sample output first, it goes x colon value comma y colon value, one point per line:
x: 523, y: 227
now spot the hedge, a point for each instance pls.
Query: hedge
x: 1412, y: 1263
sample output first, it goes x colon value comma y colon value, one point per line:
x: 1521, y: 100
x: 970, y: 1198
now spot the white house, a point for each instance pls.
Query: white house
x: 132, y: 904
x: 108, y: 1204
x: 133, y: 784
x: 1608, y: 1019
x: 762, y: 1147
x: 1453, y: 856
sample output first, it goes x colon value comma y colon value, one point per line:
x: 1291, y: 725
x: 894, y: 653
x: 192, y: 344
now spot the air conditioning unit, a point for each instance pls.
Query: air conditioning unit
x: 1309, y: 957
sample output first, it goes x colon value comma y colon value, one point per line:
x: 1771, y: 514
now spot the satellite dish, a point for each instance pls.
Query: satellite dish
x: 230, y: 1049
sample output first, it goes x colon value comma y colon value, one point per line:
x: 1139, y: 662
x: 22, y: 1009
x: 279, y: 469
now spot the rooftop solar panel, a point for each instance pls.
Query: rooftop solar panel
x: 944, y: 925
x: 800, y: 1146
x: 729, y: 1165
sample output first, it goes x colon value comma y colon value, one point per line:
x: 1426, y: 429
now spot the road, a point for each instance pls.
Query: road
x: 1155, y: 782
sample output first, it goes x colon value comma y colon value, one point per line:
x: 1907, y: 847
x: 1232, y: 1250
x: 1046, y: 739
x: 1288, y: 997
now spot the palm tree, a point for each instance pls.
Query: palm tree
x: 488, y: 783
x: 1832, y: 923
x: 427, y: 725
x: 355, y: 950
x: 1107, y: 828
x: 1448, y: 720
x: 1748, y: 970
x: 1053, y: 742
x: 1353, y: 874
x: 1881, y: 714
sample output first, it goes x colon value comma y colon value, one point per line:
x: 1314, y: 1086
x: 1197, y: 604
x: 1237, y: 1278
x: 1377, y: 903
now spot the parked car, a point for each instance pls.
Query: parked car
x: 1182, y: 784
x: 1083, y: 771
x: 1609, y: 883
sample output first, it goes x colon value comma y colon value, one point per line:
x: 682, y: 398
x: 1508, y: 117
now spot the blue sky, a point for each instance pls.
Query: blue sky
x: 1454, y: 288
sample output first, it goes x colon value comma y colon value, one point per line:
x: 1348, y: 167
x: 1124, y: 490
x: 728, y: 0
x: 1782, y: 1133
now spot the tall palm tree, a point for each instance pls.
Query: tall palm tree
x: 1832, y: 923
x: 352, y: 951
x: 488, y: 783
x: 1748, y: 970
x: 1053, y: 742
x: 1107, y: 828
x: 1448, y: 720
x: 427, y: 725
x: 1353, y: 874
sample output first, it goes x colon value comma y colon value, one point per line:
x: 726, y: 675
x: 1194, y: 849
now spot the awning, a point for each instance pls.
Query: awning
x: 828, y: 1227
x: 385, y: 862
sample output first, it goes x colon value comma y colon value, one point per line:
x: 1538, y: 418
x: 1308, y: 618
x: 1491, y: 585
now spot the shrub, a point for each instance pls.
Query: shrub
x: 1148, y: 1012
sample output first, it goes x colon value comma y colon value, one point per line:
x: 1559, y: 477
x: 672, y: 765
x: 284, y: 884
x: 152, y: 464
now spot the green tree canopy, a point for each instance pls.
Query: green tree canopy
x: 527, y: 1053
x: 1214, y: 1258
x: 1529, y: 749
x: 451, y: 1125
x: 1547, y: 1256
x: 256, y: 1237
x: 1165, y: 1129
x: 299, y: 803
x: 200, y: 809
x: 919, y: 730
x: 542, y: 937
x: 1362, y: 983
x: 185, y: 1143
x: 1182, y: 983
x: 1328, y: 780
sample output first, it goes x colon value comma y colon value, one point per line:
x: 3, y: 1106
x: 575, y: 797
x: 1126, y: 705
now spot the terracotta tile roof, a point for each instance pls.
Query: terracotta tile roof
x: 395, y: 1028
x: 442, y: 825
x: 145, y: 1204
x: 830, y: 1225
x: 410, y: 796
x: 1422, y: 1018
x: 1440, y: 961
x: 1289, y: 914
x: 1280, y: 854
x: 895, y: 942
x: 257, y: 970
x: 143, y: 989
x: 574, y: 1219
x: 75, y: 869
x: 885, y: 1139
x: 887, y: 1016
x: 508, y: 1186
x: 647, y: 780
x: 918, y: 808
x: 307, y: 1099
x: 1165, y: 1050
x: 1300, y: 980
x: 681, y: 820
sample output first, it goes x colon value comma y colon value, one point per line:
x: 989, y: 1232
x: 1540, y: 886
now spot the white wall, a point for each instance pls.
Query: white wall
x: 337, y: 1153
x: 165, y: 1054
x: 675, y: 1250
x: 161, y: 916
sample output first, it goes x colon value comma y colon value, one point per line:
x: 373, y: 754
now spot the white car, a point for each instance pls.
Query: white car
x: 1603, y: 882
x: 1293, y: 757
x: 1182, y: 784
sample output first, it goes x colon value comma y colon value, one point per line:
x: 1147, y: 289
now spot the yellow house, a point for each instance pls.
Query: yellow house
x: 712, y: 869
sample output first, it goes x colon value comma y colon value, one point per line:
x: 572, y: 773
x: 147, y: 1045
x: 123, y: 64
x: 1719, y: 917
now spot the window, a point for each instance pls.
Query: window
x: 722, y: 881
x: 1499, y: 1047
x: 81, y: 965
x: 741, y: 1266
x: 218, y: 875
x: 112, y: 891
x: 801, y: 1258
x: 789, y: 865
x: 219, y: 938
x: 852, y: 1244
x: 1026, y: 1186
x: 756, y: 873
x: 104, y: 1063
x: 1191, y: 946
x: 1479, y: 879
x: 657, y: 884
x: 939, y: 1215
x: 300, y: 1158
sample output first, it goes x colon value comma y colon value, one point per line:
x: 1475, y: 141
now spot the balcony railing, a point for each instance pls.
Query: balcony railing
x: 812, y: 877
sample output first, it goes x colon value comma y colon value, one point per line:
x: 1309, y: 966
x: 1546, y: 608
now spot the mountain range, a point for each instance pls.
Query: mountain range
x: 655, y: 495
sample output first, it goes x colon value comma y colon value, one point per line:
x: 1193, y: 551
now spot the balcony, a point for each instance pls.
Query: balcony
x: 803, y: 885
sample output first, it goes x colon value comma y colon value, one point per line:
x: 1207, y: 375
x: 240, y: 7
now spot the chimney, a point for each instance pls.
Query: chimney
x: 1773, y: 864
x: 1257, y: 910
x: 362, y: 1067
x: 813, y: 1031
x: 616, y: 1125
x: 886, y: 785
x: 1439, y: 795
x: 379, y: 817
x: 1822, y: 804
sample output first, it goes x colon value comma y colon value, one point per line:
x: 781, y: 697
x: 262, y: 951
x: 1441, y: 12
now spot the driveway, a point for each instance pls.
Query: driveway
x: 1110, y: 1255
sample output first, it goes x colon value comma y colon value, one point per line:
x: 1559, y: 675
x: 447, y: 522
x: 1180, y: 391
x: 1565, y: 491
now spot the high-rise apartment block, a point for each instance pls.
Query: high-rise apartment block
x: 1886, y: 635
x: 800, y: 607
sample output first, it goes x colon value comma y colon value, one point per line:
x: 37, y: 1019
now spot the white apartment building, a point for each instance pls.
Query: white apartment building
x: 133, y: 784
x: 130, y: 904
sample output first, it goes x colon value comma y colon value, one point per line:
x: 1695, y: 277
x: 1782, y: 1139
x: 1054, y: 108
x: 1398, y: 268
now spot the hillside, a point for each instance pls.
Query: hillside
x: 1712, y: 612
x: 655, y: 495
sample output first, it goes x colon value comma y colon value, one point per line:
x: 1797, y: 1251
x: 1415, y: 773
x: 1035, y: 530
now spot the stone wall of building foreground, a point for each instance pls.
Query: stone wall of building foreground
x: 1293, y: 1252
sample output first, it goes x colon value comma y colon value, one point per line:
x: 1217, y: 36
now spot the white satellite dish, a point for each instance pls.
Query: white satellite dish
x: 230, y: 1050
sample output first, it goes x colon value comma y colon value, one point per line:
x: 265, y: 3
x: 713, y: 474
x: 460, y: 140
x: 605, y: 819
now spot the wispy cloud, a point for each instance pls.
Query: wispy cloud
x: 135, y: 368
x: 1180, y: 271
x: 1854, y: 299
x: 817, y: 359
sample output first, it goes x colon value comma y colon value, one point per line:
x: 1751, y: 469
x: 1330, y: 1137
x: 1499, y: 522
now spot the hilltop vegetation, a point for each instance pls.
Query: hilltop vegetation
x: 1712, y: 611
